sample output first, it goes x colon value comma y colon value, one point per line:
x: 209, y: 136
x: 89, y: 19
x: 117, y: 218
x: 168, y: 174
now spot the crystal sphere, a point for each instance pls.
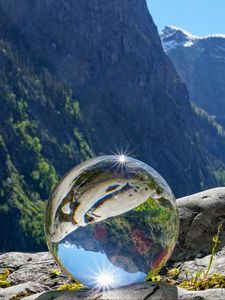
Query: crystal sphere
x: 110, y: 221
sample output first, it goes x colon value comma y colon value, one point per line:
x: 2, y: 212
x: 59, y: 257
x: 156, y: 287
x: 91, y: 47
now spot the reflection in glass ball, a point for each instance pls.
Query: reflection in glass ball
x: 110, y: 221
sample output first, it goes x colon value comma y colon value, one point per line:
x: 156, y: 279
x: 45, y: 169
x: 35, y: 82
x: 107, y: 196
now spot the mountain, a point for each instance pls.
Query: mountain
x: 200, y: 61
x: 82, y: 78
x: 40, y: 127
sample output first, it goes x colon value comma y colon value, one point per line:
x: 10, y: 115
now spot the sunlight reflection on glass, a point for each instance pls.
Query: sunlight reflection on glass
x: 122, y: 159
x: 104, y: 280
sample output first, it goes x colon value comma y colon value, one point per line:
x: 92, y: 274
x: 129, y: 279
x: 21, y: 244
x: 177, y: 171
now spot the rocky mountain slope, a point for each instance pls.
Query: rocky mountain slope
x: 200, y: 61
x: 40, y: 126
x: 80, y: 78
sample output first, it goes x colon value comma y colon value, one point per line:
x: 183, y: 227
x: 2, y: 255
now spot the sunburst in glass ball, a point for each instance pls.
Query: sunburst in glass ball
x: 110, y: 221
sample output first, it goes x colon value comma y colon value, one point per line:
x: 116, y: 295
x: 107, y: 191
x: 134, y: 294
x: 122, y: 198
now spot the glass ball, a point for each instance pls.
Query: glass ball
x: 110, y: 221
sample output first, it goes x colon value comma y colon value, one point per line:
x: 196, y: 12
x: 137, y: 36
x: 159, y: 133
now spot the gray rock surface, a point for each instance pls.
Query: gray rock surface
x: 218, y: 294
x: 31, y: 267
x: 148, y: 291
x: 200, y: 215
x: 20, y: 290
x: 218, y: 264
x: 153, y: 291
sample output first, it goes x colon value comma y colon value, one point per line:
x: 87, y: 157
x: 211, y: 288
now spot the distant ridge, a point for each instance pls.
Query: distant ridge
x: 200, y: 61
x: 173, y: 37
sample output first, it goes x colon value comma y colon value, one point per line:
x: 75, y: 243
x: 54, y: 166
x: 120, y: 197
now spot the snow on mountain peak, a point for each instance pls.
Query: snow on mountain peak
x: 171, y: 30
x: 173, y: 37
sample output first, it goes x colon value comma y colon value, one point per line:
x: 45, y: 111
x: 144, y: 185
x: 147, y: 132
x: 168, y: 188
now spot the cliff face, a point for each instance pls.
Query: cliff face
x: 96, y: 77
x: 40, y: 126
x: 200, y: 61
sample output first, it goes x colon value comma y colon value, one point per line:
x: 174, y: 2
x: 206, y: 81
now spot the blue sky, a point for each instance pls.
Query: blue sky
x: 200, y: 17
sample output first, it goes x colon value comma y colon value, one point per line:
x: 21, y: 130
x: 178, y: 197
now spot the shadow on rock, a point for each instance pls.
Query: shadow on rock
x: 145, y: 291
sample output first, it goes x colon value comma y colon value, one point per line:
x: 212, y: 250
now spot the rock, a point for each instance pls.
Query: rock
x: 218, y: 265
x: 153, y: 291
x: 147, y: 291
x: 143, y: 291
x: 20, y: 290
x: 218, y: 294
x: 33, y: 297
x: 200, y: 214
x: 31, y: 267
